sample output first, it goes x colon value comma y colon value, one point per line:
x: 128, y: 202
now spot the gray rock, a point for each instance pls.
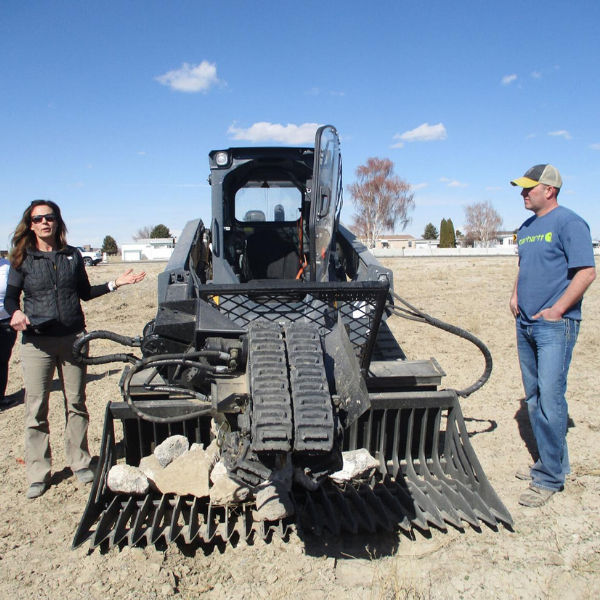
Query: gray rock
x: 219, y: 470
x: 123, y: 479
x: 172, y: 448
x: 188, y: 474
x: 150, y: 466
x: 358, y: 464
x: 228, y: 491
x: 273, y: 501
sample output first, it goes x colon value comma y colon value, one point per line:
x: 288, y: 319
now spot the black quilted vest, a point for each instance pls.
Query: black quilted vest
x: 51, y: 291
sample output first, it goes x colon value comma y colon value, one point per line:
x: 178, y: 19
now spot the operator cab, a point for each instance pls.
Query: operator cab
x: 266, y: 215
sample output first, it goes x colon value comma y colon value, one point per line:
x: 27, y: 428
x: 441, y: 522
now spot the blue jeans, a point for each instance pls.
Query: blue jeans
x: 545, y: 350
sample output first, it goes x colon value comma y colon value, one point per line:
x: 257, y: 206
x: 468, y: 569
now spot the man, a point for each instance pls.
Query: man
x: 556, y: 267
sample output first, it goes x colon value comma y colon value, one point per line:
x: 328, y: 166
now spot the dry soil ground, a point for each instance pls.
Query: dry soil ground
x: 553, y: 552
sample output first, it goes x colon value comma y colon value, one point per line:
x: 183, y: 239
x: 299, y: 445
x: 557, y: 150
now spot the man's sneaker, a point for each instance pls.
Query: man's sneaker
x: 535, y: 496
x: 84, y: 475
x: 524, y: 473
x: 36, y: 490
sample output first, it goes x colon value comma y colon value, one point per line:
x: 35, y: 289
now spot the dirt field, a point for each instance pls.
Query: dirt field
x: 553, y: 552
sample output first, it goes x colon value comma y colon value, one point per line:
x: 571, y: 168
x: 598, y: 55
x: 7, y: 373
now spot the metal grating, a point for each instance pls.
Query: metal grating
x: 360, y: 304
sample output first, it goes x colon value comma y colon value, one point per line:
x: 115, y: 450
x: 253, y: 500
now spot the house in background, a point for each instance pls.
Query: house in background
x: 151, y: 249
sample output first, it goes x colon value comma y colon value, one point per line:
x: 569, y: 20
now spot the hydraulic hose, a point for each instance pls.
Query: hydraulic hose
x: 414, y: 314
x: 81, y: 343
x: 183, y: 359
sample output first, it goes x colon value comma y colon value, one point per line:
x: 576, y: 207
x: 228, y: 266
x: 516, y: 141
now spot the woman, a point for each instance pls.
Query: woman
x: 52, y: 277
x: 7, y: 333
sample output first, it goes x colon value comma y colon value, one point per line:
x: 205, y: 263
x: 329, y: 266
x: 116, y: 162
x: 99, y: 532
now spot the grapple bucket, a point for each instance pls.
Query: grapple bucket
x: 428, y: 475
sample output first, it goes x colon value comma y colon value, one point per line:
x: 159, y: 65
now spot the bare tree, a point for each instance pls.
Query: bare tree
x: 482, y: 221
x: 143, y: 233
x: 381, y: 198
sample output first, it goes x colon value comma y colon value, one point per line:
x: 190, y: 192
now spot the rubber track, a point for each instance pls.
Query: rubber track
x: 271, y: 403
x: 313, y: 417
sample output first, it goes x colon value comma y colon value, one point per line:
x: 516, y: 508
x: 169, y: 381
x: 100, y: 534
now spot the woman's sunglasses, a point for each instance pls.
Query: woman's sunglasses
x: 50, y: 218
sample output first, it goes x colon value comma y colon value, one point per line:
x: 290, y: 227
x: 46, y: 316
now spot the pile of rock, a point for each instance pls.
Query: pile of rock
x: 175, y: 467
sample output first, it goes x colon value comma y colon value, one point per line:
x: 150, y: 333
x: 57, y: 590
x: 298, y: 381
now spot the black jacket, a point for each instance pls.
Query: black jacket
x: 52, y: 291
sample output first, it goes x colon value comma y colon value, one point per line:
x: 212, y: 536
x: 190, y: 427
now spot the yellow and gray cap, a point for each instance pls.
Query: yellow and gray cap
x: 546, y: 174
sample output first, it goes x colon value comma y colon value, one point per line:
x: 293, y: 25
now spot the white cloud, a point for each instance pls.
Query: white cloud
x: 493, y: 188
x: 313, y: 91
x: 458, y: 184
x: 285, y: 134
x: 444, y: 179
x: 560, y: 133
x: 191, y: 78
x: 530, y: 136
x: 537, y: 74
x: 595, y: 146
x: 418, y: 186
x: 423, y: 133
x: 337, y: 94
x: 508, y: 79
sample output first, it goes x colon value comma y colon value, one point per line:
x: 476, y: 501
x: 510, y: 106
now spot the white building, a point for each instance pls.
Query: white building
x: 151, y: 249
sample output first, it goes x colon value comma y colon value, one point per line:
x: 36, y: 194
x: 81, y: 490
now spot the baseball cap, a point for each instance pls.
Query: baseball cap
x: 546, y: 174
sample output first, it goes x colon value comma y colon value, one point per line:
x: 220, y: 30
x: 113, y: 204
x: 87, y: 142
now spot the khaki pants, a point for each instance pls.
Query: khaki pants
x: 40, y: 357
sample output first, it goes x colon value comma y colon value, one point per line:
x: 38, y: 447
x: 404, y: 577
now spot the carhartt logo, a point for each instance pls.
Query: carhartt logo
x: 547, y: 237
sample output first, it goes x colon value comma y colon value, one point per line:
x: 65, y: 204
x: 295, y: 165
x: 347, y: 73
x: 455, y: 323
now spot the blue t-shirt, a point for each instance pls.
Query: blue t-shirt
x: 550, y: 249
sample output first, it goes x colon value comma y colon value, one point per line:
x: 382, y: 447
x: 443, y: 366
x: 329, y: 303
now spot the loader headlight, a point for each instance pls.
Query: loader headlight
x: 222, y: 159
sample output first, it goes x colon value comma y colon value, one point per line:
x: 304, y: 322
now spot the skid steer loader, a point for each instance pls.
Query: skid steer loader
x: 271, y: 337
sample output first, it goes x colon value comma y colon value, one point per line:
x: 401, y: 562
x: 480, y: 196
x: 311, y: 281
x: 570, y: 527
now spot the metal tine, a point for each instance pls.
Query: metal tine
x: 362, y: 511
x: 157, y: 529
x: 407, y: 502
x: 193, y: 529
x: 482, y: 485
x: 229, y: 525
x: 454, y: 488
x: 247, y: 522
x: 473, y: 496
x: 140, y: 527
x: 332, y: 520
x: 175, y: 527
x: 382, y: 441
x: 120, y: 530
x: 442, y: 501
x: 395, y: 506
x: 431, y: 512
x: 347, y: 520
x: 211, y: 528
x: 379, y: 510
x: 106, y: 522
x: 315, y: 524
x: 396, y: 444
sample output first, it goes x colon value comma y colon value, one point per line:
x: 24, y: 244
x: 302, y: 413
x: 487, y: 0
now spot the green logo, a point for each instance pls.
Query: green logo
x: 548, y: 237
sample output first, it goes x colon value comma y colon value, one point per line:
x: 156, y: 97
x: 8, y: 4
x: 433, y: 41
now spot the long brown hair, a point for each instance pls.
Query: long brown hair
x: 24, y: 239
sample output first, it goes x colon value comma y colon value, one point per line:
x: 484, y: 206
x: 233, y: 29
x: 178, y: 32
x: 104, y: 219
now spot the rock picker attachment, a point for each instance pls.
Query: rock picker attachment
x: 271, y: 352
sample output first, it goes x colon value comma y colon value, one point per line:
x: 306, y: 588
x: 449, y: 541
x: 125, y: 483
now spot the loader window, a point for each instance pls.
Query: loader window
x: 270, y: 201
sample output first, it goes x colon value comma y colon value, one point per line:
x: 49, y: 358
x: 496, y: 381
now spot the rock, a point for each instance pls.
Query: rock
x: 124, y: 479
x: 188, y: 474
x: 150, y: 466
x: 219, y: 470
x: 196, y: 446
x: 227, y: 491
x: 172, y: 448
x: 273, y: 501
x: 358, y: 464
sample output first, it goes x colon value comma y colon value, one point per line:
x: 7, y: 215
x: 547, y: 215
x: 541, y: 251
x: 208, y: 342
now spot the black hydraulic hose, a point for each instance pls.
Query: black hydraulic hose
x: 81, y: 342
x: 205, y: 411
x: 183, y: 359
x: 417, y: 315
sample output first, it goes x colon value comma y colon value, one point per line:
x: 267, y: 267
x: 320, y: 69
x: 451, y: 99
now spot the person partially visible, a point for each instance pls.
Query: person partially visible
x: 556, y: 267
x: 7, y: 334
x: 52, y: 278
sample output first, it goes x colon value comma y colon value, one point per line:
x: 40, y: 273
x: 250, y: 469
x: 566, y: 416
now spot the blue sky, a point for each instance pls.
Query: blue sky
x: 110, y: 108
